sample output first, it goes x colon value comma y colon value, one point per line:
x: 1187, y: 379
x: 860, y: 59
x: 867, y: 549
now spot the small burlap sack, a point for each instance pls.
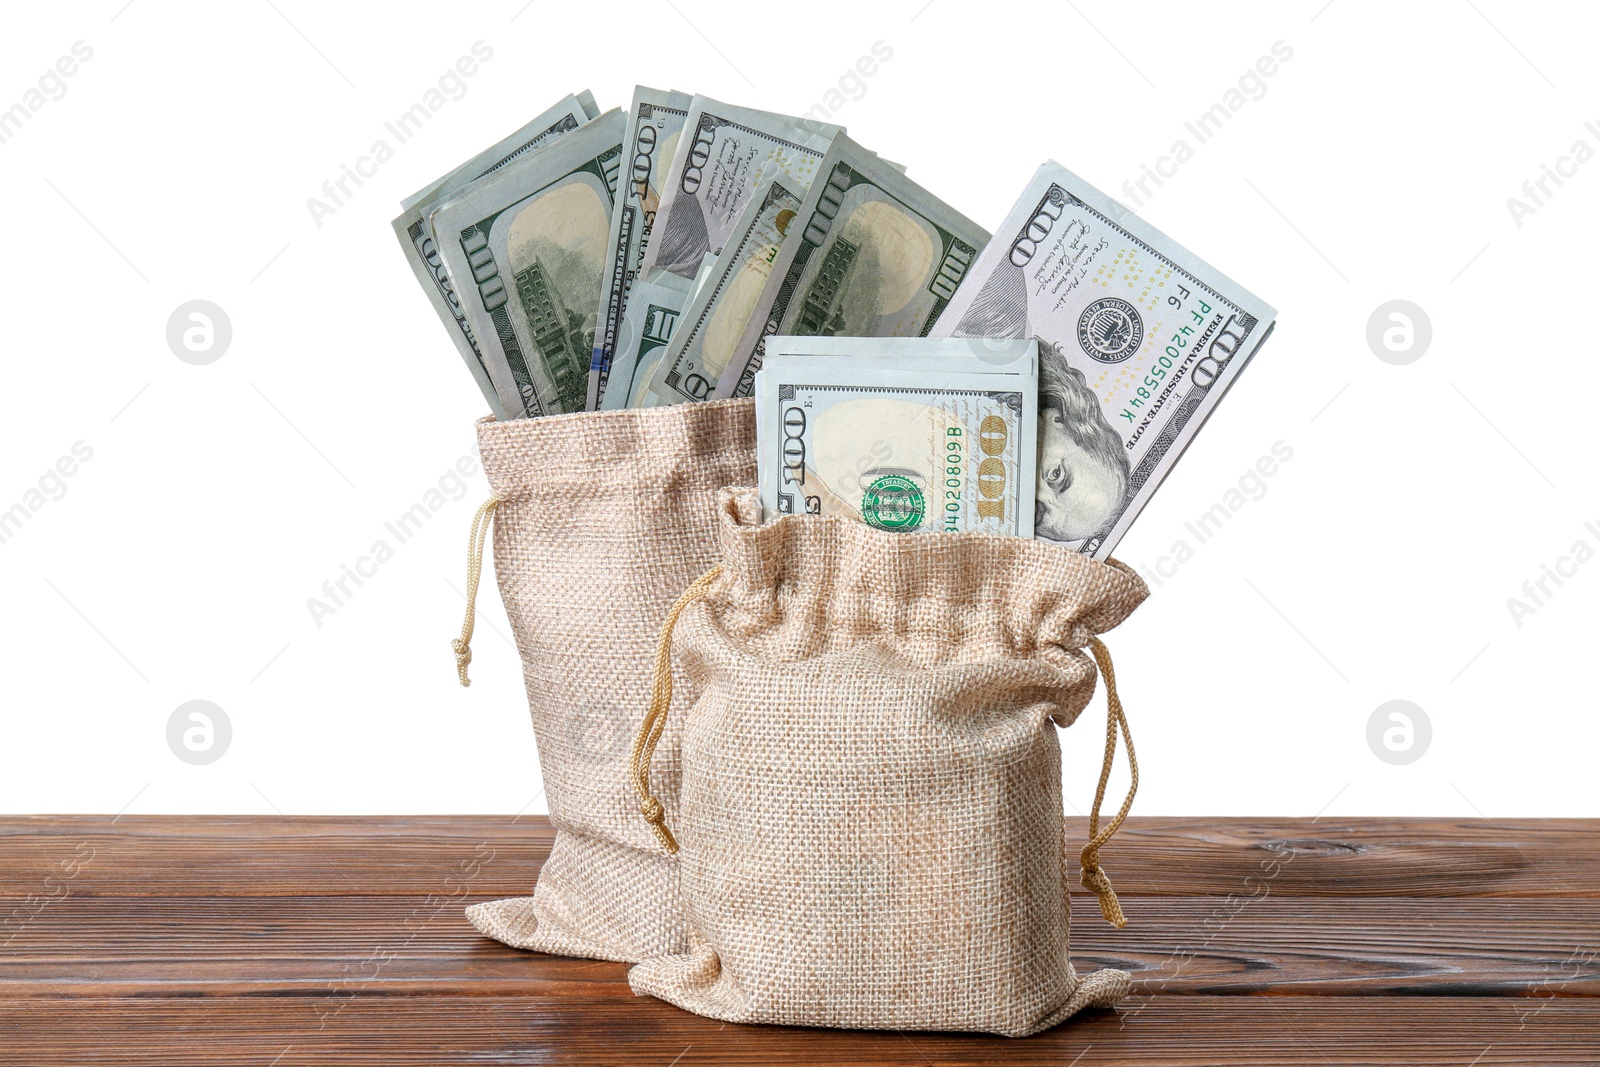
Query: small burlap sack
x: 870, y: 804
x: 600, y: 521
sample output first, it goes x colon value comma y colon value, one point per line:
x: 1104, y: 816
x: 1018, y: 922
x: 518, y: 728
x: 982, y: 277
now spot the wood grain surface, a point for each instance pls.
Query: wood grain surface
x: 309, y: 940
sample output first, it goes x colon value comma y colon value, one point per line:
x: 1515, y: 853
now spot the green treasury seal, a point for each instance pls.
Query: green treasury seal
x: 894, y: 502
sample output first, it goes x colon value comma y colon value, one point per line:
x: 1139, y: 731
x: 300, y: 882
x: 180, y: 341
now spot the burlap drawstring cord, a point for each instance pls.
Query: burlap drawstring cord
x: 1093, y: 877
x: 480, y: 530
x: 655, y: 716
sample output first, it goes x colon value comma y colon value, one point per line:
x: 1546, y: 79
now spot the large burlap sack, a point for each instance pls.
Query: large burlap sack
x: 870, y: 812
x: 600, y: 520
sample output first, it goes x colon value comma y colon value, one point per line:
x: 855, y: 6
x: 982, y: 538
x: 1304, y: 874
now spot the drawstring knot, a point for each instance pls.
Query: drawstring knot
x: 1110, y: 908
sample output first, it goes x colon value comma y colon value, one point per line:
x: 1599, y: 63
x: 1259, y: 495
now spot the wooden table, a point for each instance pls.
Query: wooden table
x: 290, y: 941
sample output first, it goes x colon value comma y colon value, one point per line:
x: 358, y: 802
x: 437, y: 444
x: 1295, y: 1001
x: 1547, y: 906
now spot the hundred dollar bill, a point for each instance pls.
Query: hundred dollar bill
x: 906, y: 435
x: 527, y: 250
x: 876, y: 255
x: 534, y: 134
x: 663, y: 297
x: 721, y: 310
x: 644, y: 338
x: 725, y: 155
x: 416, y: 238
x: 654, y: 123
x: 1138, y: 340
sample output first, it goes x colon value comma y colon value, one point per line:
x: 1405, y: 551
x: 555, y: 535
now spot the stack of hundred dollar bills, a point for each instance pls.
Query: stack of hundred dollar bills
x: 910, y: 370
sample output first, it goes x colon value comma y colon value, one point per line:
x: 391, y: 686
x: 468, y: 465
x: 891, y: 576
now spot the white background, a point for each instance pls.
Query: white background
x: 1377, y: 565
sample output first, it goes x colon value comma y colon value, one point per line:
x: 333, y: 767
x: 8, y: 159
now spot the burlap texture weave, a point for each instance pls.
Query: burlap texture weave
x: 870, y: 812
x: 607, y: 516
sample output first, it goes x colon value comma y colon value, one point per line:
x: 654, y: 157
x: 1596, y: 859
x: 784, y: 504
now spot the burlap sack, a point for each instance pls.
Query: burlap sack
x: 870, y: 811
x: 603, y: 518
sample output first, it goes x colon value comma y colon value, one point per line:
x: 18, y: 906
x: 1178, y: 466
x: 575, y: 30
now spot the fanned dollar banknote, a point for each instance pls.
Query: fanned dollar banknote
x: 654, y: 124
x: 717, y: 317
x: 1139, y: 339
x: 644, y: 340
x: 907, y: 435
x: 698, y: 250
x: 647, y: 331
x: 726, y: 154
x: 422, y: 252
x: 527, y: 249
x: 876, y: 255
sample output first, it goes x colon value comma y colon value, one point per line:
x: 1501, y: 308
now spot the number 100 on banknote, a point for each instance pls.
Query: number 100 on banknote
x: 939, y: 439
